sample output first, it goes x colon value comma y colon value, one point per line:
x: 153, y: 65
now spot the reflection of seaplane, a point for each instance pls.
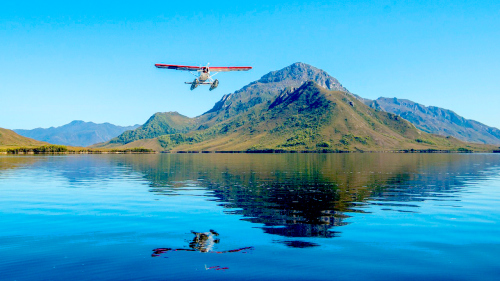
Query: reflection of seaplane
x: 202, y: 242
x: 204, y: 73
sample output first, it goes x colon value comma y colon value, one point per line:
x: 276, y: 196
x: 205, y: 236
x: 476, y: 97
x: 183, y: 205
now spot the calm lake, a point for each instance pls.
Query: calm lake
x: 250, y: 217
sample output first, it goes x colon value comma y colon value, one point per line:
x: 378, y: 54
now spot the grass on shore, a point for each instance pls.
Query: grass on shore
x: 48, y: 149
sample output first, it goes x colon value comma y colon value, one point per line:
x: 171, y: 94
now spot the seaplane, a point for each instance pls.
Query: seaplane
x: 204, y: 74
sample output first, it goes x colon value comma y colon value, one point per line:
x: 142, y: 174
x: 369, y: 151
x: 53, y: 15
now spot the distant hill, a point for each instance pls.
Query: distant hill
x: 437, y: 120
x: 76, y: 133
x: 11, y: 138
x: 157, y: 125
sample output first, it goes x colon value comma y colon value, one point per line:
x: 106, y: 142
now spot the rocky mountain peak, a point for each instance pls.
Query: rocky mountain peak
x: 272, y: 84
x: 301, y: 73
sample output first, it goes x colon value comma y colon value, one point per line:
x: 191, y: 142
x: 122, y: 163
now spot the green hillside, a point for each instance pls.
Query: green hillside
x: 9, y: 138
x: 159, y: 124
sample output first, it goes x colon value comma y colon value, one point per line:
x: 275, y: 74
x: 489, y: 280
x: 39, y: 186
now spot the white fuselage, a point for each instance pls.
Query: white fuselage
x: 204, y: 74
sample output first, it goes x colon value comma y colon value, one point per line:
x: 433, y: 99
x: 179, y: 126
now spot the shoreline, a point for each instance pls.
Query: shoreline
x: 244, y: 152
x: 75, y: 152
x: 61, y: 149
x: 329, y: 152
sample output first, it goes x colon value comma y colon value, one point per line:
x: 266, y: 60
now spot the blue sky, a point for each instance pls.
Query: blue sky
x: 94, y: 61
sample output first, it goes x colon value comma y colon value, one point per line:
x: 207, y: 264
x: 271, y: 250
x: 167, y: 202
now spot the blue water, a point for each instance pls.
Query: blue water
x: 274, y: 217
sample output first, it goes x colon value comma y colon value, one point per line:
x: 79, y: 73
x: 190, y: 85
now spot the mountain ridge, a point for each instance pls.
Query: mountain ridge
x: 76, y: 133
x: 436, y: 120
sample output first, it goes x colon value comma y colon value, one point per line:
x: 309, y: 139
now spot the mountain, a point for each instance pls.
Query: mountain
x: 309, y: 118
x: 298, y: 108
x: 258, y: 92
x: 269, y: 86
x: 76, y: 133
x: 11, y: 138
x: 437, y: 120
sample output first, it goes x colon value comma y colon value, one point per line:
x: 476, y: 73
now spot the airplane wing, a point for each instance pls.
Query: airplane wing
x: 229, y: 68
x: 178, y: 67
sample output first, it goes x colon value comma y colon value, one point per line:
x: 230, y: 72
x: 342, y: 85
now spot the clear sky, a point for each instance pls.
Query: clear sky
x: 94, y: 60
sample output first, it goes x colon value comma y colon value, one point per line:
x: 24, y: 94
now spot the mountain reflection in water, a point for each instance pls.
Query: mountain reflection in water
x: 291, y: 195
x: 307, y: 195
